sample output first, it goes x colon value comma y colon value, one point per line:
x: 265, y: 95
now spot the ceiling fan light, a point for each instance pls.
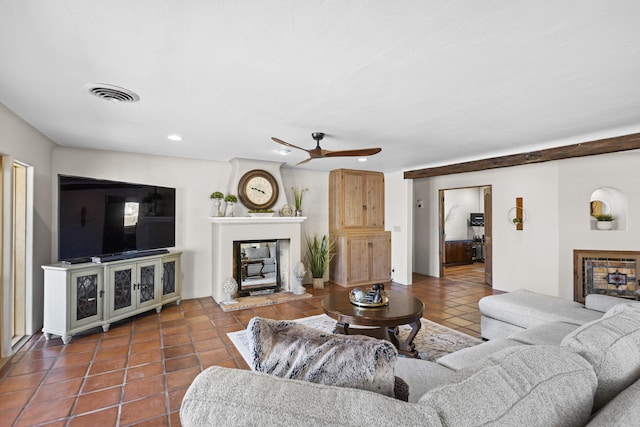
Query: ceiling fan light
x: 284, y: 151
x: 362, y: 159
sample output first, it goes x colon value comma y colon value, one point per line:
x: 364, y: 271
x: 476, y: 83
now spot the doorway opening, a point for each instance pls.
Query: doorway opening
x: 19, y: 250
x: 465, y: 234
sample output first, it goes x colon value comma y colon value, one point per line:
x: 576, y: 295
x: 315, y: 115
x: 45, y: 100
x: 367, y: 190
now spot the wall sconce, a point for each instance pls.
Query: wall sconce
x: 517, y: 215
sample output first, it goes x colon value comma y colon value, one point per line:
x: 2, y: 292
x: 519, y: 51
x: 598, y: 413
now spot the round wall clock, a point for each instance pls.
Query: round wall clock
x: 258, y: 189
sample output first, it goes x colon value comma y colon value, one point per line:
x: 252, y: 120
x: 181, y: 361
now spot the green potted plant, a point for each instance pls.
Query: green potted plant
x: 230, y: 199
x: 298, y: 193
x: 320, y: 253
x: 261, y: 212
x: 216, y: 206
x: 604, y: 221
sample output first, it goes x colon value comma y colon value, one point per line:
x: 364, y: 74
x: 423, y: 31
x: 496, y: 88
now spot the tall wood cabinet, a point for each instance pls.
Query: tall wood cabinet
x: 356, y: 225
x: 83, y: 296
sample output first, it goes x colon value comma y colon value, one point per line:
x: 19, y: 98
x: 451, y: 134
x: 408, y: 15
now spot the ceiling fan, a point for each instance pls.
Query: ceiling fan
x: 319, y: 153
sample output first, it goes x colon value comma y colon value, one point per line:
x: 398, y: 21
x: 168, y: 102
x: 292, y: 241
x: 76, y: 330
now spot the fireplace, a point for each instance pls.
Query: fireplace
x: 256, y: 265
x: 613, y: 273
x: 226, y: 231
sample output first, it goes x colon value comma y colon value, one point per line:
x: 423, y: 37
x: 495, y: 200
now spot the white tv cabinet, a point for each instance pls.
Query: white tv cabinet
x: 78, y: 297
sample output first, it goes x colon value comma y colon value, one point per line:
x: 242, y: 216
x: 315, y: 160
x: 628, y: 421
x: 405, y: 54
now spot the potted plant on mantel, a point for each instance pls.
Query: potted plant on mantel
x: 216, y: 198
x: 320, y: 252
x: 230, y: 199
x: 604, y: 221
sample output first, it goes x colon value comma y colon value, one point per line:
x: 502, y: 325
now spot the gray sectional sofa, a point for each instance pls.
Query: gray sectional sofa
x: 567, y: 371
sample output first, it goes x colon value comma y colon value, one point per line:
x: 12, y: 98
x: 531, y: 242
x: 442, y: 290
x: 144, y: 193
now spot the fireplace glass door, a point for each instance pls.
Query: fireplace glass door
x: 256, y: 266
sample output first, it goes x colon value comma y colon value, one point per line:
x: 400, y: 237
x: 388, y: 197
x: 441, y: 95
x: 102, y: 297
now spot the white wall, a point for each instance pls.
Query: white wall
x: 556, y: 197
x: 398, y: 213
x: 458, y: 204
x: 578, y: 178
x: 21, y: 142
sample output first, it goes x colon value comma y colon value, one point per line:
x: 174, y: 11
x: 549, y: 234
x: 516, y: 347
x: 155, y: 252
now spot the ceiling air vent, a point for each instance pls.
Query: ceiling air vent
x: 111, y: 93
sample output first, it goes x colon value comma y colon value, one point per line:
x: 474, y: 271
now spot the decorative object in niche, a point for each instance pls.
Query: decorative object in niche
x: 604, y: 221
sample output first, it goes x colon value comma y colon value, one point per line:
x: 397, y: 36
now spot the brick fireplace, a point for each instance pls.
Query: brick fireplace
x: 227, y: 230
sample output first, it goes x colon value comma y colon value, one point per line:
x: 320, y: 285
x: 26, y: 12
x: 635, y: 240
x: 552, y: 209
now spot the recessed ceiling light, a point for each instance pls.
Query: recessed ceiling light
x: 175, y: 138
x: 284, y: 151
x: 362, y: 159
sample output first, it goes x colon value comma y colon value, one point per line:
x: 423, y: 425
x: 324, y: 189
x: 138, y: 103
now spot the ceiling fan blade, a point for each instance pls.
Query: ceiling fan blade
x: 279, y: 141
x: 304, y: 161
x: 353, y: 153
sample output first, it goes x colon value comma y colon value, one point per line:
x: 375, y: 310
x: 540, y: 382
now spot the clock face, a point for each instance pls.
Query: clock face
x: 258, y: 189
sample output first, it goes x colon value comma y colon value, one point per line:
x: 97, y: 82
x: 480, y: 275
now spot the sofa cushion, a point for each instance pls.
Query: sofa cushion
x: 292, y: 350
x: 603, y: 303
x: 421, y: 376
x: 256, y: 253
x: 472, y: 355
x: 520, y: 385
x: 231, y: 397
x: 612, y: 346
x: 526, y: 309
x: 622, y: 411
x: 550, y: 333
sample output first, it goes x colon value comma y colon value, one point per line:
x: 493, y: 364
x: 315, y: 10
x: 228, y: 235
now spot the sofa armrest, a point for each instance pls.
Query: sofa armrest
x: 603, y: 303
x: 224, y: 396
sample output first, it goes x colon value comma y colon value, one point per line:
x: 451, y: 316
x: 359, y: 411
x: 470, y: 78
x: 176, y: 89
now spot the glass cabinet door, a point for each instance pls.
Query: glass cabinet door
x: 86, y: 297
x: 121, y: 280
x: 168, y: 277
x: 147, y: 283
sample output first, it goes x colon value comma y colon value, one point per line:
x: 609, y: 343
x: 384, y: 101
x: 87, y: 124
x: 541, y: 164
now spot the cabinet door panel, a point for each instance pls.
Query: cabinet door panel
x: 358, y: 260
x: 86, y: 297
x: 168, y: 277
x: 353, y: 200
x: 375, y: 201
x: 380, y: 258
x: 122, y: 291
x: 147, y: 275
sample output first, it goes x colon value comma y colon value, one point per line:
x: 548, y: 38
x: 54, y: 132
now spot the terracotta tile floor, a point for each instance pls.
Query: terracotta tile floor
x: 138, y: 371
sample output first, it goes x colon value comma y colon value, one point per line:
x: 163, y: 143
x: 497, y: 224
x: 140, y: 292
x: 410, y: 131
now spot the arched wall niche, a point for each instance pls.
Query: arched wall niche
x: 608, y: 200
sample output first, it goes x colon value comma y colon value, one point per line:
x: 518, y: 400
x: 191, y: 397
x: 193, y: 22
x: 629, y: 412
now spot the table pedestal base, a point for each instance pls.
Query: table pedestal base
x: 405, y: 348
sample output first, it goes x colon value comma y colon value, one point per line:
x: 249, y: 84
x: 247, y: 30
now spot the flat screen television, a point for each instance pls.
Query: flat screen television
x: 111, y: 219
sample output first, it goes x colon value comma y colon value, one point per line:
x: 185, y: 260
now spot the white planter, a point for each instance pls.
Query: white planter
x: 604, y: 225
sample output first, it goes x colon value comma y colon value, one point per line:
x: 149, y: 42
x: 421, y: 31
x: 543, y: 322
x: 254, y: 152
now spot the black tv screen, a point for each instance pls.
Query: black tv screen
x: 99, y: 217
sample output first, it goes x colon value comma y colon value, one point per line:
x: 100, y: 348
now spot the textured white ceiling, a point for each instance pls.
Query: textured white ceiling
x: 430, y: 82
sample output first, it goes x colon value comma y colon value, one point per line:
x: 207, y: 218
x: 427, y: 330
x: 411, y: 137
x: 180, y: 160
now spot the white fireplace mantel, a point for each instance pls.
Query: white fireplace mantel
x: 226, y: 230
x: 257, y: 219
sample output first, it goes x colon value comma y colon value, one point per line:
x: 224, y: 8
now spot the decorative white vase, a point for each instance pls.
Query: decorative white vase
x: 229, y: 287
x: 604, y: 225
x: 216, y: 205
x: 299, y: 273
x: 229, y: 209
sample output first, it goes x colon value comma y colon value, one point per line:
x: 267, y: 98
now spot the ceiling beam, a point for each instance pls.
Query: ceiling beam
x: 591, y: 148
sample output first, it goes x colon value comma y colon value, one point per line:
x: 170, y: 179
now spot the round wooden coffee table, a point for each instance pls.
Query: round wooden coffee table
x: 403, y: 309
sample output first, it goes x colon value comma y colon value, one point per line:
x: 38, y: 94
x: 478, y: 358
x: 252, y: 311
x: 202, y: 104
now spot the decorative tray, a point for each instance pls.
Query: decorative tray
x: 364, y: 303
